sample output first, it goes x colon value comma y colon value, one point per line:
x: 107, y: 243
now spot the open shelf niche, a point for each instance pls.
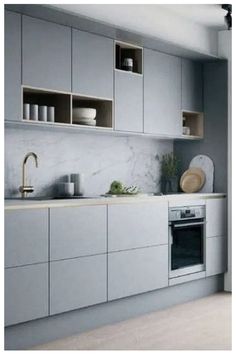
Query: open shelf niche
x: 124, y: 50
x: 103, y: 110
x: 61, y: 102
x: 194, y: 121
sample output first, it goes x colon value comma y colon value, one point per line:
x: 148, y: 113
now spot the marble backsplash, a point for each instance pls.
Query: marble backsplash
x: 102, y: 159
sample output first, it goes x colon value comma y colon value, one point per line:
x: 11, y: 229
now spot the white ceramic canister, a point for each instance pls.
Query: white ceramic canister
x: 26, y: 111
x: 51, y: 114
x: 78, y: 180
x: 34, y: 112
x: 43, y: 111
x: 66, y: 189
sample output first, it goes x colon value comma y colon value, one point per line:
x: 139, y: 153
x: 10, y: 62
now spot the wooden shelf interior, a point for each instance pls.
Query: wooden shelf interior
x: 103, y: 108
x: 60, y: 101
x: 194, y: 120
x: 124, y: 50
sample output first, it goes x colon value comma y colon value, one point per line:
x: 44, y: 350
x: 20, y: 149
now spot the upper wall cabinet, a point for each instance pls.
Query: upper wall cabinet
x: 128, y: 101
x: 92, y: 64
x: 192, y: 83
x: 12, y: 66
x: 46, y: 54
x: 162, y: 93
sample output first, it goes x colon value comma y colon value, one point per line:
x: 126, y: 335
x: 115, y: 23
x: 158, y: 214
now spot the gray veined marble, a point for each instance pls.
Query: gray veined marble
x: 133, y: 160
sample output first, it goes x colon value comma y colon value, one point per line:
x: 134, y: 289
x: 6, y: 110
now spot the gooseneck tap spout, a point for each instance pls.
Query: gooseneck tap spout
x: 24, y: 189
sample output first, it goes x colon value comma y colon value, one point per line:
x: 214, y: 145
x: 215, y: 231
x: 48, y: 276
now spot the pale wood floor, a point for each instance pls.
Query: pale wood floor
x: 200, y: 324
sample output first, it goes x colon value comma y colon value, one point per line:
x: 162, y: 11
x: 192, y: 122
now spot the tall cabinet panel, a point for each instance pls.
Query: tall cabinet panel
x: 12, y: 66
x: 46, y: 54
x: 128, y: 101
x: 92, y: 64
x: 192, y: 83
x: 162, y: 93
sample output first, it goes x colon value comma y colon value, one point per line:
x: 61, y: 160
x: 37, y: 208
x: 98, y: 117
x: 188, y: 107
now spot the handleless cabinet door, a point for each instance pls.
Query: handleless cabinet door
x: 26, y: 293
x: 46, y: 54
x: 215, y: 255
x: 128, y: 102
x: 162, y: 93
x: 137, y: 271
x: 77, y: 231
x: 216, y: 217
x: 12, y: 77
x: 78, y: 282
x: 137, y: 225
x: 192, y: 86
x: 26, y: 237
x: 92, y: 64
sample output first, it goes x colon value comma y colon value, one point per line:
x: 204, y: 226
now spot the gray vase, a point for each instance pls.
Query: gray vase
x: 169, y: 185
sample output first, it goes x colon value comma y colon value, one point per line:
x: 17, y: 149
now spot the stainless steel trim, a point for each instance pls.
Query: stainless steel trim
x: 188, y: 224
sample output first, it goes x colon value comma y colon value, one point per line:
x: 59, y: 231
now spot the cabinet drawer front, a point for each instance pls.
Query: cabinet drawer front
x: 128, y: 102
x: 216, y: 217
x: 12, y: 66
x: 26, y: 237
x: 26, y: 293
x: 46, y: 54
x: 137, y: 225
x: 77, y: 283
x: 77, y: 231
x: 215, y: 255
x: 136, y: 271
x: 92, y: 64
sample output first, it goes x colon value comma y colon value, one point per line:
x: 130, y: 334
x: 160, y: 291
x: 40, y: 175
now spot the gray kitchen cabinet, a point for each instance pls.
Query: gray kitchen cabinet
x: 162, y: 94
x: 137, y: 225
x: 77, y: 231
x: 77, y: 283
x: 26, y: 237
x: 128, y: 101
x: 215, y: 255
x: 26, y: 293
x: 137, y: 271
x: 216, y: 217
x: 46, y: 54
x: 92, y: 64
x: 192, y: 86
x: 12, y: 92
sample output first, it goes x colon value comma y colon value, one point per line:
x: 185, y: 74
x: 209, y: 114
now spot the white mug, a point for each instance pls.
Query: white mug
x: 26, y: 111
x: 66, y: 189
x: 43, y: 113
x: 51, y: 114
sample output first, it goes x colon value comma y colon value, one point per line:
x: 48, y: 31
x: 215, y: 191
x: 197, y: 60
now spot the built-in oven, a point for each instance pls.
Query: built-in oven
x: 186, y: 240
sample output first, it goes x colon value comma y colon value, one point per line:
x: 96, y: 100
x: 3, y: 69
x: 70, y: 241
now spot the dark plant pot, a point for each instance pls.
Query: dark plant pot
x: 169, y: 185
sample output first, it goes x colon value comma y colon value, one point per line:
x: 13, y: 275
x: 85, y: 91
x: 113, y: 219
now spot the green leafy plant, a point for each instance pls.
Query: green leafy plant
x: 169, y: 165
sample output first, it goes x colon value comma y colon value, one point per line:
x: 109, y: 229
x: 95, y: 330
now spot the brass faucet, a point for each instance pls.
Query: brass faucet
x: 24, y: 189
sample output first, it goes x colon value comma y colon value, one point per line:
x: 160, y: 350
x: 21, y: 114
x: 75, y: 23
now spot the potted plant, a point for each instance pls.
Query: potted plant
x: 169, y: 170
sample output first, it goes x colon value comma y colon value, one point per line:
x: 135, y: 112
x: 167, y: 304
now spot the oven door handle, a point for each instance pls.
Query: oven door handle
x: 188, y: 224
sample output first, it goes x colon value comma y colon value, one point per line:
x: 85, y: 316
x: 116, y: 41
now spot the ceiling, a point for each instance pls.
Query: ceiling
x: 210, y: 16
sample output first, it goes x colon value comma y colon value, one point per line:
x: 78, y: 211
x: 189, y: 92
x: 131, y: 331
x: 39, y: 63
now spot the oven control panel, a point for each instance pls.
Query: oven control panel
x: 183, y: 213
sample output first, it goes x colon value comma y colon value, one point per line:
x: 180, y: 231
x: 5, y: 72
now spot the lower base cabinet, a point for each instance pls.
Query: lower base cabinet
x: 77, y: 283
x: 136, y: 271
x: 26, y: 293
x: 215, y: 255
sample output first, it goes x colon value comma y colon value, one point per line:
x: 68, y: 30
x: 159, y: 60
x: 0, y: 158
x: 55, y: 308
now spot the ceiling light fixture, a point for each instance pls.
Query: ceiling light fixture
x: 228, y: 17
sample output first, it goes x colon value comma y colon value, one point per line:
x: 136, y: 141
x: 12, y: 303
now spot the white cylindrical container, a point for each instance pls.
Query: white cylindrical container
x: 51, y: 114
x: 26, y: 111
x: 34, y: 112
x: 78, y: 180
x: 43, y: 110
x: 66, y: 189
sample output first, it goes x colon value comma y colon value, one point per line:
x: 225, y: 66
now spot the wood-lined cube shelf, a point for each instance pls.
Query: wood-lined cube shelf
x: 125, y: 50
x: 103, y: 109
x: 194, y: 121
x: 60, y: 101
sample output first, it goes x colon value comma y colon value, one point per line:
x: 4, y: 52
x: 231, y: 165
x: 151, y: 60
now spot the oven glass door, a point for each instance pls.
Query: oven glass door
x: 187, y: 245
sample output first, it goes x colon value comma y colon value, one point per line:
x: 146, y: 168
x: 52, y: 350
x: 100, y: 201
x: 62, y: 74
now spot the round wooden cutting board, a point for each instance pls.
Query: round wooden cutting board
x: 192, y: 180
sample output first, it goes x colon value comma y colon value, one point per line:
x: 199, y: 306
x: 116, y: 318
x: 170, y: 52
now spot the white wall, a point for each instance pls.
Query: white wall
x: 225, y: 51
x: 152, y: 20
